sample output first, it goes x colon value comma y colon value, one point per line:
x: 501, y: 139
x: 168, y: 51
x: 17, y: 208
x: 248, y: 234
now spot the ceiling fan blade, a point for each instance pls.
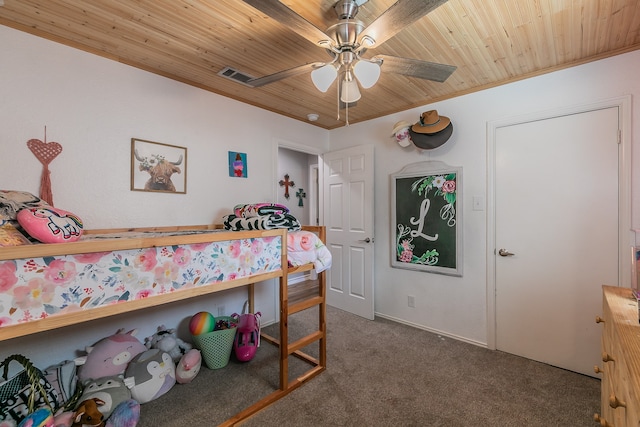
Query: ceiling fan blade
x: 401, y: 14
x: 271, y: 78
x: 416, y: 68
x: 287, y: 17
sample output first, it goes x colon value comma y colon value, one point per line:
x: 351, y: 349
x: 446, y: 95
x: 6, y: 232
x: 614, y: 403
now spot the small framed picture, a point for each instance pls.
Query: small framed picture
x: 237, y: 164
x: 158, y: 167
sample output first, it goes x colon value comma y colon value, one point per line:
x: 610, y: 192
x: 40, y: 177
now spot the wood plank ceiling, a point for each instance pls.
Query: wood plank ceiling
x: 491, y: 42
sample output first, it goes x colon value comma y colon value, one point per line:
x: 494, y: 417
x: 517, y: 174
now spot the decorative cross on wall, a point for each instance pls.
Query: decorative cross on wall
x: 300, y: 194
x: 286, y: 184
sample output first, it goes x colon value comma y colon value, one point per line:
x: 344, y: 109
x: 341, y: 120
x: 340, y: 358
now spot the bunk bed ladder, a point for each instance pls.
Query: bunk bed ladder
x: 304, y: 295
x: 295, y: 298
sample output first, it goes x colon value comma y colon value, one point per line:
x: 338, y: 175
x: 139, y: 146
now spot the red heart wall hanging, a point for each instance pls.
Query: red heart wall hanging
x: 45, y: 152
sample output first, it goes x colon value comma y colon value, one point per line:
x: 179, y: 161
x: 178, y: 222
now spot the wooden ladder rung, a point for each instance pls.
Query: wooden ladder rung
x: 297, y: 353
x: 306, y: 357
x: 270, y: 339
x: 305, y: 341
x: 303, y: 305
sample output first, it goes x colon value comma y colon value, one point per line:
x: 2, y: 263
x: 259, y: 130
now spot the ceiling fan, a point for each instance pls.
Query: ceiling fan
x: 348, y: 40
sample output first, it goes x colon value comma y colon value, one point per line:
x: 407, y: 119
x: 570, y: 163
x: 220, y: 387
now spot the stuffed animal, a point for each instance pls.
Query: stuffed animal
x: 126, y: 414
x: 153, y: 373
x: 188, y: 366
x: 109, y: 356
x: 40, y: 418
x: 111, y: 391
x: 167, y: 341
x: 88, y: 415
x: 63, y: 419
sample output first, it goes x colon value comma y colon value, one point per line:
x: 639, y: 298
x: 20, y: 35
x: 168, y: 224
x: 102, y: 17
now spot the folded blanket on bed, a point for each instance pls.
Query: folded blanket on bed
x: 258, y: 209
x: 304, y: 247
x: 264, y: 222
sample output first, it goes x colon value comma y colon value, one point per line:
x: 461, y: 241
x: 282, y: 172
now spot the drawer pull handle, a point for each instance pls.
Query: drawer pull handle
x: 614, y: 402
x: 601, y: 421
x: 599, y: 319
x: 606, y: 357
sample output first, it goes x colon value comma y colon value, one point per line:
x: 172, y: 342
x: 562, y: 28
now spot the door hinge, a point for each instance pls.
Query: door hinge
x: 619, y: 136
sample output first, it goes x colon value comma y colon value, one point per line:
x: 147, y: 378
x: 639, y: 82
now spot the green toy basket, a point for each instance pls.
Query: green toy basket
x: 216, y: 346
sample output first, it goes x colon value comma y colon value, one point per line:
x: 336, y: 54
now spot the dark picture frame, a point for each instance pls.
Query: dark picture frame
x: 426, y: 218
x: 158, y: 167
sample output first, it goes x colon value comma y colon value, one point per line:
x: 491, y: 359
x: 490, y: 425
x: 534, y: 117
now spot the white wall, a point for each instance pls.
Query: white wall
x: 452, y: 305
x: 93, y: 107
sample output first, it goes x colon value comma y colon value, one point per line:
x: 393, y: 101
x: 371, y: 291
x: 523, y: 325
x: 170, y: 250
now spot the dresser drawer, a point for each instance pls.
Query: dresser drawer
x: 621, y: 358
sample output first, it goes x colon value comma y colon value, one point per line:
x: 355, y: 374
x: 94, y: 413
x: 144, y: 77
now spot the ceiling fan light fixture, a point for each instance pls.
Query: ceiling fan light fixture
x: 350, y: 91
x: 367, y: 73
x: 323, y: 77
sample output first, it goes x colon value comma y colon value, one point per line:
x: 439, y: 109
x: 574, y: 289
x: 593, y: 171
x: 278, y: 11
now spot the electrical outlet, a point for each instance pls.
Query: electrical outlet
x: 478, y: 203
x: 220, y: 310
x: 411, y: 301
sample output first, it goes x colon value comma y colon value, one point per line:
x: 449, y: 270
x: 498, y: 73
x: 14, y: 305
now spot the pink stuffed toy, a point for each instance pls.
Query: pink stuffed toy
x: 188, y: 367
x: 109, y: 356
x: 50, y: 225
x: 64, y: 419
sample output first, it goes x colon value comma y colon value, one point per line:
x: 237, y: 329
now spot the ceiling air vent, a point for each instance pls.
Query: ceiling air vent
x: 235, y: 75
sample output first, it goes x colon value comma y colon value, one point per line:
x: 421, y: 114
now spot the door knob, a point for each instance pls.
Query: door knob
x: 367, y: 240
x: 504, y: 252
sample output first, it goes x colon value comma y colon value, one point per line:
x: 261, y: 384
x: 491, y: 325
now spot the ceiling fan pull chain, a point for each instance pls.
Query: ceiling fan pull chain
x: 338, y: 101
x: 346, y: 113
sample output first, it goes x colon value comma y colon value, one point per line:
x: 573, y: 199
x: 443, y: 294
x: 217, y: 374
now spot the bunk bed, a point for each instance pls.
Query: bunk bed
x: 90, y: 291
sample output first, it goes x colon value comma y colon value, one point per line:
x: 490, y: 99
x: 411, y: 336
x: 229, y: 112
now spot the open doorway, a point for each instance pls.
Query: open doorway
x: 298, y: 178
x: 297, y: 181
x: 295, y: 185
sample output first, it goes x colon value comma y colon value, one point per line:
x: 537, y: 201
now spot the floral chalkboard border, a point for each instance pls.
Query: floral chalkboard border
x: 415, y: 245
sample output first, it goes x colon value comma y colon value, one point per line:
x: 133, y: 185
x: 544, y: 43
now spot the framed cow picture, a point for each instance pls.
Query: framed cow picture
x: 158, y: 167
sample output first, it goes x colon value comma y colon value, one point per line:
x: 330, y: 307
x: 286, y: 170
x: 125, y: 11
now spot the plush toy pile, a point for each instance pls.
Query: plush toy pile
x: 118, y: 374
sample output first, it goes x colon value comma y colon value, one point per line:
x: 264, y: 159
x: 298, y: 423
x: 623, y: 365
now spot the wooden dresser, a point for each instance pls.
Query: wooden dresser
x: 620, y: 401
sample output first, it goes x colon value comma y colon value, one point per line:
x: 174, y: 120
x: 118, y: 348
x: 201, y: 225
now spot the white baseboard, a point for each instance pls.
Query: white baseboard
x: 417, y: 326
x: 435, y: 331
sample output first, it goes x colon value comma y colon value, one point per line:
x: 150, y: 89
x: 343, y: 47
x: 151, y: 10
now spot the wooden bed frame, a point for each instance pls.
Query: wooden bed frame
x: 309, y: 296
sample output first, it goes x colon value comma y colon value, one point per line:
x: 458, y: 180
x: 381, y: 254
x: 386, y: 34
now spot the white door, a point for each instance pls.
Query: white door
x: 556, y: 224
x: 348, y: 217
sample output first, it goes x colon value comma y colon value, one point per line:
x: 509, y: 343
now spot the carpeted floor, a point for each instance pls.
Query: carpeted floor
x: 381, y: 373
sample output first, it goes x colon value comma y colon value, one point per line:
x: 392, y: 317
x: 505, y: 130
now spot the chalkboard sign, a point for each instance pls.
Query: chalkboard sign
x: 426, y: 218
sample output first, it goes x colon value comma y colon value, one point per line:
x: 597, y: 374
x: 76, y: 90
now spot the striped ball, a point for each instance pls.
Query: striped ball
x: 202, y: 323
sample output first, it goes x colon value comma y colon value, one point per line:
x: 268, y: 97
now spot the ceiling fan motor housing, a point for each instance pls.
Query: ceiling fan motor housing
x: 346, y: 9
x: 345, y: 34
